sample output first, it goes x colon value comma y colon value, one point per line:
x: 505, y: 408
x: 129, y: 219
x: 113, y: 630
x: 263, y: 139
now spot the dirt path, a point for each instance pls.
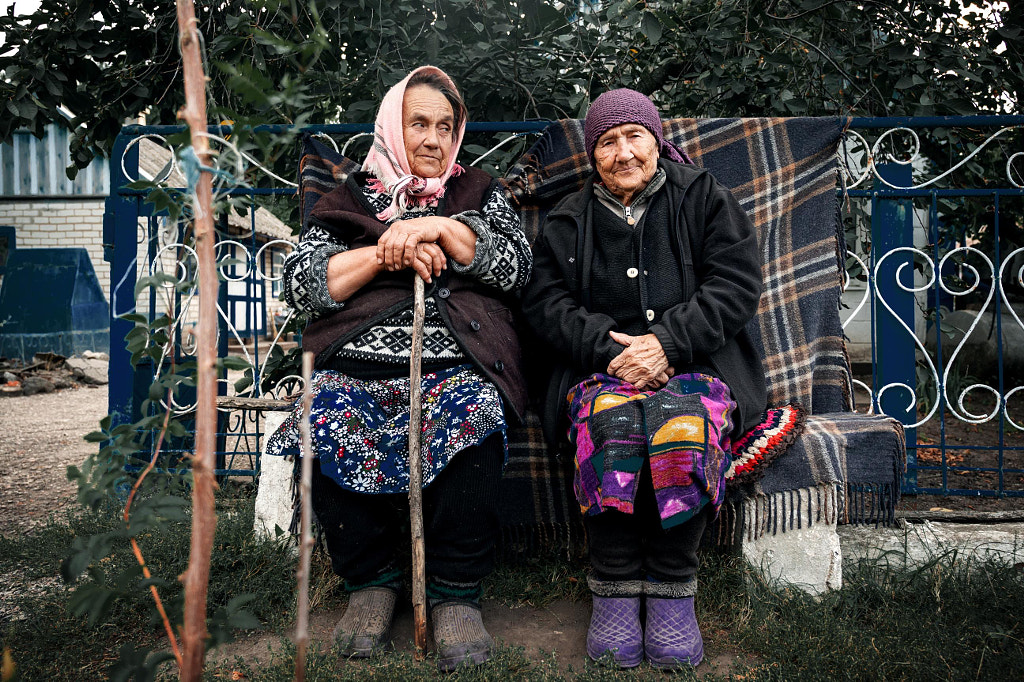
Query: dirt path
x: 559, y: 628
x: 40, y: 436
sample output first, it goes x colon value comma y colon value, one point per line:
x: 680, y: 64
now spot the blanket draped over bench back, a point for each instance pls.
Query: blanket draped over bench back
x: 783, y: 172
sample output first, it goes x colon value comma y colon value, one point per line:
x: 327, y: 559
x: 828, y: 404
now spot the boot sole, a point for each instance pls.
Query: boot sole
x: 447, y: 665
x: 350, y: 651
x: 620, y: 662
x: 674, y: 663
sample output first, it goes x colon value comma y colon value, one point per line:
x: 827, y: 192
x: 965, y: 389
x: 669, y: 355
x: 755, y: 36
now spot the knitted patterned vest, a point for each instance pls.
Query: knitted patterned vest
x: 480, y: 321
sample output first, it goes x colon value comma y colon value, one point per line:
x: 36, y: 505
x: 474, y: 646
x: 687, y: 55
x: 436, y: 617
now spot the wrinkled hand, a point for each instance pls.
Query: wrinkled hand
x: 397, y: 247
x: 430, y: 261
x: 642, y: 363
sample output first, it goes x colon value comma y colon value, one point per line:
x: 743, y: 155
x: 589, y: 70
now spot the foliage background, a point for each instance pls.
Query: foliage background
x: 283, y: 61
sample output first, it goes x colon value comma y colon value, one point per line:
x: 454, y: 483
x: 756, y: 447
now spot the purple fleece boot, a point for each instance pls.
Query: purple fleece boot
x: 615, y: 627
x: 672, y: 638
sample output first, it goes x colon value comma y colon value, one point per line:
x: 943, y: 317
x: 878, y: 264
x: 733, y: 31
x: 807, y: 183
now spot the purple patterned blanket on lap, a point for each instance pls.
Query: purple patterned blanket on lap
x: 678, y: 429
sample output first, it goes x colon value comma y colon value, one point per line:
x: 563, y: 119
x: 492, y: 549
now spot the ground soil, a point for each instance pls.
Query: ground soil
x: 40, y: 436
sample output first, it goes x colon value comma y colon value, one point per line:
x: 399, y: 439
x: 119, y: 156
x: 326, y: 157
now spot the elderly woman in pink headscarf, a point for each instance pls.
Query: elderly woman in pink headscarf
x: 411, y: 211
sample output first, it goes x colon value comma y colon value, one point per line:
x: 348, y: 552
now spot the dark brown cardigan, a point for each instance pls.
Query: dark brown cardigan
x: 477, y: 315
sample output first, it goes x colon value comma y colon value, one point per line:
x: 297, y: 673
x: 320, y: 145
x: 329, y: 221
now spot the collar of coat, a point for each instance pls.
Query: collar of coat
x: 640, y: 199
x: 678, y: 175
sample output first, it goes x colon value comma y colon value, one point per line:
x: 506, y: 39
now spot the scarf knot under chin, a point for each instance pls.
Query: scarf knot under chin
x: 388, y: 163
x: 407, y: 191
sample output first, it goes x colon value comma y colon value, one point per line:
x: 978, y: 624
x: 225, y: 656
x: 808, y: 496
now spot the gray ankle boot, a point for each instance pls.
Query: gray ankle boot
x: 459, y: 635
x: 366, y: 625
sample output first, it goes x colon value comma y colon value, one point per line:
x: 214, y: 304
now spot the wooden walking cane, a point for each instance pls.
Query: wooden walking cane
x: 306, y: 533
x: 419, y: 580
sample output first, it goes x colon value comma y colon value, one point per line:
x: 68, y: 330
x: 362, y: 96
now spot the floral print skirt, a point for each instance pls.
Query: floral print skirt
x: 360, y: 429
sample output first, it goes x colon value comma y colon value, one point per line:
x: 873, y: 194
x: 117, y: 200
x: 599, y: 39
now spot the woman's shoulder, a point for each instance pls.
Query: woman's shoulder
x: 574, y: 203
x: 472, y: 179
x: 683, y: 174
x: 343, y: 196
x: 472, y: 173
x: 468, y: 190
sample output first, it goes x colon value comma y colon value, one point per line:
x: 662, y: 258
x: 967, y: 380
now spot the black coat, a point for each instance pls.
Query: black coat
x: 721, y: 270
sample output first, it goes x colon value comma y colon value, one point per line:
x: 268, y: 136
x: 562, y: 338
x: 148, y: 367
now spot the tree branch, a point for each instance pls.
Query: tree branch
x: 135, y: 545
x: 204, y: 519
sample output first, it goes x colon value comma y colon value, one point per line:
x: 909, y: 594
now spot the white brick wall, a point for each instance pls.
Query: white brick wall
x: 39, y: 224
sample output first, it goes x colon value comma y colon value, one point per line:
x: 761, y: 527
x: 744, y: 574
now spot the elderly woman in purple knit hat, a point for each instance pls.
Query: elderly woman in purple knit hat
x: 643, y: 282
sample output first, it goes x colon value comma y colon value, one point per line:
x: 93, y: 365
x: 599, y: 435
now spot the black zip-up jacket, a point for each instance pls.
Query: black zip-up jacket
x: 721, y: 271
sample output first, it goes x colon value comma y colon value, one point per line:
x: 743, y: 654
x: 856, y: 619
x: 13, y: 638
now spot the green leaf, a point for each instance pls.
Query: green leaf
x: 138, y: 665
x: 95, y: 437
x: 651, y: 27
x: 243, y: 620
x: 235, y: 362
x: 244, y: 383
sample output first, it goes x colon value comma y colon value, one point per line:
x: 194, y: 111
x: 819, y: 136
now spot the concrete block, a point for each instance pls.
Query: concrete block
x: 804, y: 556
x: 89, y: 370
x: 910, y: 545
x: 274, y: 490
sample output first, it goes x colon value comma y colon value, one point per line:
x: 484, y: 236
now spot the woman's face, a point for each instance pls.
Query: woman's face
x: 427, y: 122
x: 626, y: 157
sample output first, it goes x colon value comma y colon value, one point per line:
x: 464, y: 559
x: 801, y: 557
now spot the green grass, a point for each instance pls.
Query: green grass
x: 953, y: 619
x: 537, y: 582
x: 51, y: 643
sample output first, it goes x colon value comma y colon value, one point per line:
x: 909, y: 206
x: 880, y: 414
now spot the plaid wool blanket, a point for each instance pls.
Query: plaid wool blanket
x: 783, y: 171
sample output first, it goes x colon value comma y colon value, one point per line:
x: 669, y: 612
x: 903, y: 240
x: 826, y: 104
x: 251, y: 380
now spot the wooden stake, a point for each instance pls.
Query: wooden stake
x: 419, y: 581
x: 204, y: 520
x: 306, y: 536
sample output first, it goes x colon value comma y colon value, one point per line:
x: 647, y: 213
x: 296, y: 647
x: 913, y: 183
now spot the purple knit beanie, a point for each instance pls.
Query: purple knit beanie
x: 616, y: 107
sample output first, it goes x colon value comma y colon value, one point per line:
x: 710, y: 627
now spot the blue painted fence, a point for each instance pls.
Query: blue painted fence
x: 965, y: 422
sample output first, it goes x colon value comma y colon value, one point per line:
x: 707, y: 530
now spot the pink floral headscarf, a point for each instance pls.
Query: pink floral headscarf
x: 387, y: 159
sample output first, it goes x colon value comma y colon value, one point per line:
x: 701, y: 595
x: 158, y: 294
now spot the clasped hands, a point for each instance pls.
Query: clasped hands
x: 413, y: 244
x: 642, y: 362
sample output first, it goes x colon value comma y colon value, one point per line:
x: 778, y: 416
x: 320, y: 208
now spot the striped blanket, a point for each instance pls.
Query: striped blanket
x: 783, y: 172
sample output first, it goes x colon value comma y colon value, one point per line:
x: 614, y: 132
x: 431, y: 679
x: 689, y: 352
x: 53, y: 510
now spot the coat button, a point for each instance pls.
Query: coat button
x: 499, y: 366
x: 632, y: 272
x: 443, y: 292
x: 650, y: 316
x: 474, y: 325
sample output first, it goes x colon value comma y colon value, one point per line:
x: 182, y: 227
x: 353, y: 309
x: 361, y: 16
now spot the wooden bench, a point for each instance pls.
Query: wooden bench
x: 844, y: 467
